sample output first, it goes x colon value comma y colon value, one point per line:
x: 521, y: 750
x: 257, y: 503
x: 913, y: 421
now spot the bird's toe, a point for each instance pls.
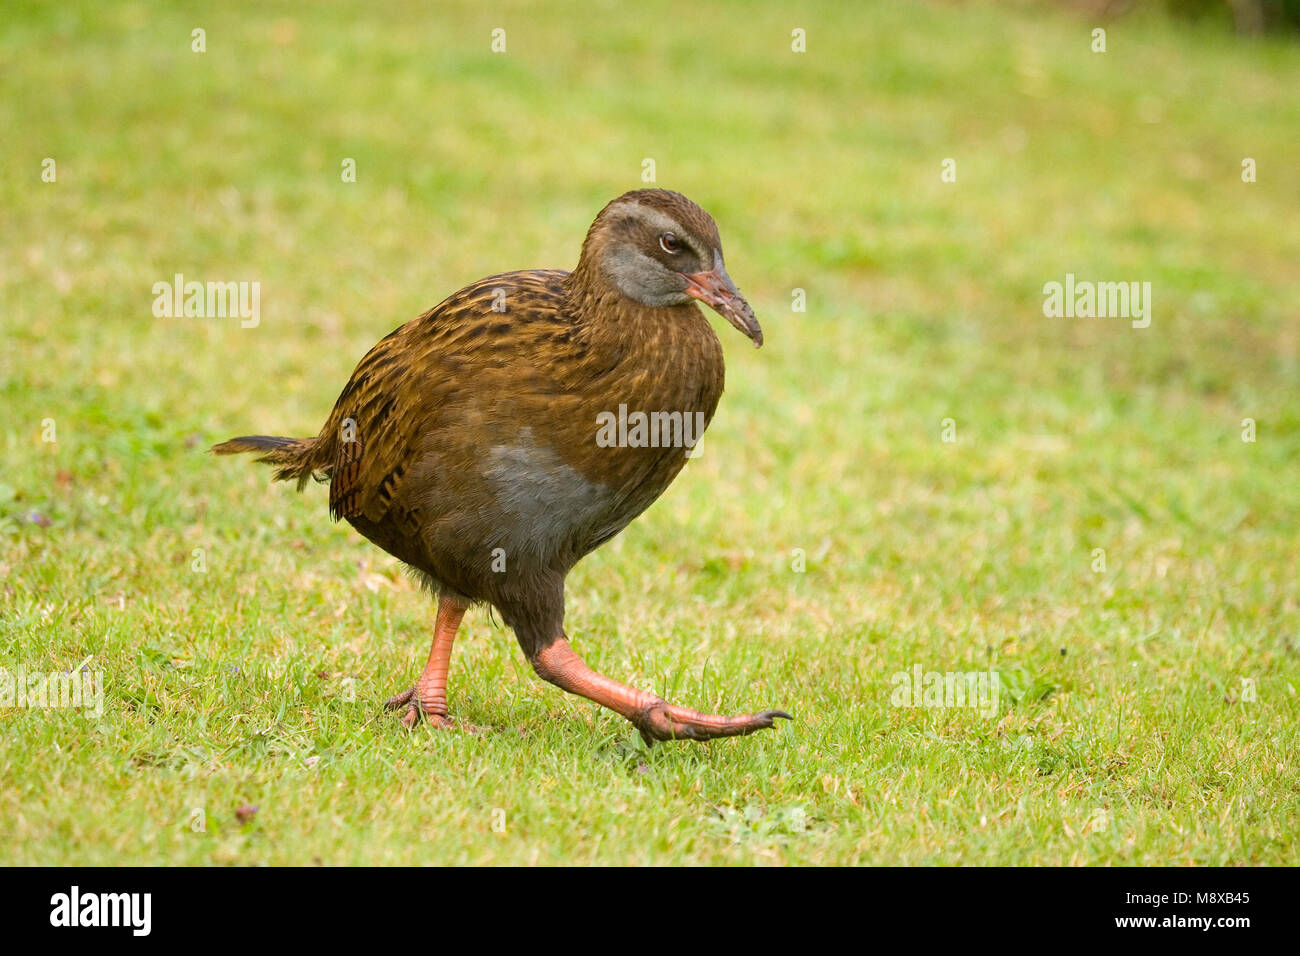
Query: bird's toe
x: 399, y: 700
x: 661, y: 721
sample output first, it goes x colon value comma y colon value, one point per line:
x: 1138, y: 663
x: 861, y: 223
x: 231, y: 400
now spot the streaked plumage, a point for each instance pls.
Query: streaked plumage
x: 465, y: 442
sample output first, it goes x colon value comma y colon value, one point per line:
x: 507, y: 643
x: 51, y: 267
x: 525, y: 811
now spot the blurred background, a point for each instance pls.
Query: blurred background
x: 818, y: 135
x: 1246, y: 16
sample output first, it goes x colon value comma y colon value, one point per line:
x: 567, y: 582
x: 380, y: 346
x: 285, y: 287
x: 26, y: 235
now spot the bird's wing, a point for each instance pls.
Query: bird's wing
x: 392, y: 402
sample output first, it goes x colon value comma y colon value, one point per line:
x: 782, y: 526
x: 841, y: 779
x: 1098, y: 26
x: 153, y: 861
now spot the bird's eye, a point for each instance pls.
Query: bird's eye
x: 669, y: 244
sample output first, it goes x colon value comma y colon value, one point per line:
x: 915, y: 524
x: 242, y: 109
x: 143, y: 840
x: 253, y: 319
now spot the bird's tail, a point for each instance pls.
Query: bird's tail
x: 293, y: 456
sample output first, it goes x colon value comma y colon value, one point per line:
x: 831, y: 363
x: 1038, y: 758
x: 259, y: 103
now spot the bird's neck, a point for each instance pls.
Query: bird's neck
x: 662, y: 358
x: 607, y: 319
x: 592, y: 300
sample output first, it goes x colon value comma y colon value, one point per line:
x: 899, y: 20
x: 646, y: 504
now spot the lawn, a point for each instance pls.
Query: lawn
x: 919, y: 473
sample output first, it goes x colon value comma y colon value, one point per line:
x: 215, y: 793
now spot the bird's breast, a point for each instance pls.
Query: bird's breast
x: 610, y: 435
x: 551, y: 507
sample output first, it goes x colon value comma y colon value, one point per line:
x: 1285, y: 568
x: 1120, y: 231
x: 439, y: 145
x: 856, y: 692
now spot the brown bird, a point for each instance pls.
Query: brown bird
x: 477, y: 443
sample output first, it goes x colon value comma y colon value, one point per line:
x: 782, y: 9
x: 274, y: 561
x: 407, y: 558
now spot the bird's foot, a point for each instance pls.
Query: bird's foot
x: 417, y: 710
x: 660, y: 720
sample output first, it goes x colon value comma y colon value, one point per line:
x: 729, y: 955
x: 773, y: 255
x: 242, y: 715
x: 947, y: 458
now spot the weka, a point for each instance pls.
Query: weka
x: 465, y: 443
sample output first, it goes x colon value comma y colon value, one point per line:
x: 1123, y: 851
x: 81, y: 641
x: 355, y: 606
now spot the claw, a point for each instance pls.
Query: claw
x: 662, y: 721
x: 415, y: 712
x: 414, y: 715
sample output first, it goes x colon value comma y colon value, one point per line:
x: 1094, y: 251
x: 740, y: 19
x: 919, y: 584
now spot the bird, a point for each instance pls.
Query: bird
x: 476, y: 442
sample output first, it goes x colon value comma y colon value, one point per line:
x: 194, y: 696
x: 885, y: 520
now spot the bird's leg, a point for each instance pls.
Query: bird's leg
x: 653, y: 716
x: 428, y: 698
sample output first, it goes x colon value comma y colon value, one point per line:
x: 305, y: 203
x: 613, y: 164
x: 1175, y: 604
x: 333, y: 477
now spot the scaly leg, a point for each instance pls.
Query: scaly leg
x: 653, y: 716
x: 428, y: 698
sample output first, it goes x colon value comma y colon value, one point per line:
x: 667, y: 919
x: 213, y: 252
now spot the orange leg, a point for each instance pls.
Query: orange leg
x: 428, y: 698
x: 653, y: 716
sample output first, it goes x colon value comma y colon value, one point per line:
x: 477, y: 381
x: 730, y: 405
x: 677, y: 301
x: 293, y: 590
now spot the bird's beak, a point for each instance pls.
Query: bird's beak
x: 716, y: 290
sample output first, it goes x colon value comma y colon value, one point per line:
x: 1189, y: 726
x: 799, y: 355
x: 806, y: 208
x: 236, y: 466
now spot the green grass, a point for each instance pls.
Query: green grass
x: 1124, y: 734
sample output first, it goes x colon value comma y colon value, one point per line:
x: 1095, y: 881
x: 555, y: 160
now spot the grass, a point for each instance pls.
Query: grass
x: 1148, y: 711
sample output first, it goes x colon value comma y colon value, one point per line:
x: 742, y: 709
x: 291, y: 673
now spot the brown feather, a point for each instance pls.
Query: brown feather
x: 468, y: 420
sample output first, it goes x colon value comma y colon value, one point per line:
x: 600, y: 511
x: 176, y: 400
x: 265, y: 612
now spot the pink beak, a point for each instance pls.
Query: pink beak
x: 716, y: 290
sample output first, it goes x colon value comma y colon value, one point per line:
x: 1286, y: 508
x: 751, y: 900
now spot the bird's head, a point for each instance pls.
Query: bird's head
x: 660, y: 249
